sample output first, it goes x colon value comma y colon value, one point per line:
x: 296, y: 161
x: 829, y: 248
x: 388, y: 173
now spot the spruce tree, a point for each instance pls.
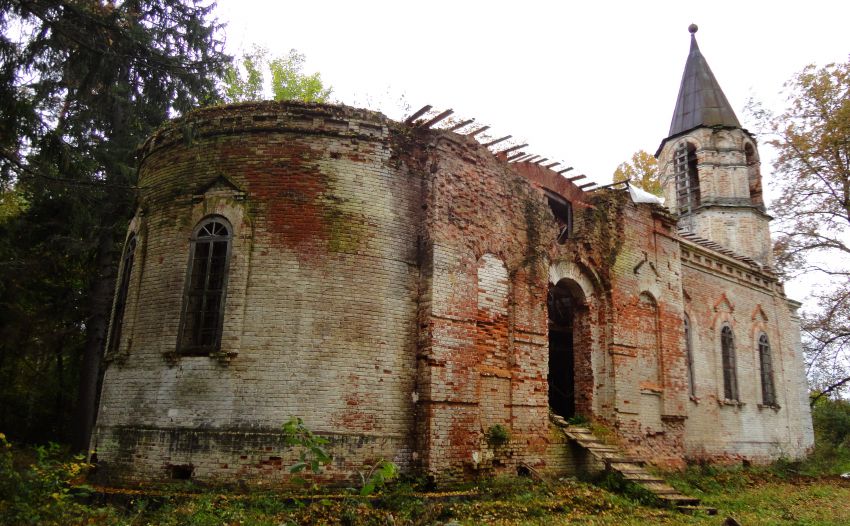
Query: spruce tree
x: 82, y: 83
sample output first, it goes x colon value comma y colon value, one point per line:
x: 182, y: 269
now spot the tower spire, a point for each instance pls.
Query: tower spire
x: 701, y: 102
x: 711, y: 166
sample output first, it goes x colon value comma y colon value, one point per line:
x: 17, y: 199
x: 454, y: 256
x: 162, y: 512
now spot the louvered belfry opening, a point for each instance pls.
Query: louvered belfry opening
x: 687, y: 178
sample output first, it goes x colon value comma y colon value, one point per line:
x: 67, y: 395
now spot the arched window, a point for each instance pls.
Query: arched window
x: 730, y: 375
x: 687, y: 178
x: 753, y: 175
x: 121, y: 296
x: 690, y: 357
x: 648, y: 338
x: 203, y: 311
x: 768, y: 393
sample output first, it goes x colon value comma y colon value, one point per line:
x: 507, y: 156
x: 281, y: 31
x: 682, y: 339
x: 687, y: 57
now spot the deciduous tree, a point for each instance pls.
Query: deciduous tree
x: 243, y: 78
x: 642, y: 172
x: 812, y: 140
x: 246, y: 78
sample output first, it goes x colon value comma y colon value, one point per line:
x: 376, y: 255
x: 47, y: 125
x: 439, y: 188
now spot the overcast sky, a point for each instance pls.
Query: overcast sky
x: 585, y: 83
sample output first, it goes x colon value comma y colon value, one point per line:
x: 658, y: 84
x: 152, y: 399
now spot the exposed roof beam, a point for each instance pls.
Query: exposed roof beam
x: 461, y: 125
x: 438, y: 118
x: 479, y: 130
x: 497, y: 141
x: 424, y: 109
x: 512, y: 148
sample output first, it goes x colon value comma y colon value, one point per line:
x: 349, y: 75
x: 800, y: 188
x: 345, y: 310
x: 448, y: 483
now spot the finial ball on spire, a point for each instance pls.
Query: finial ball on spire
x: 693, y: 28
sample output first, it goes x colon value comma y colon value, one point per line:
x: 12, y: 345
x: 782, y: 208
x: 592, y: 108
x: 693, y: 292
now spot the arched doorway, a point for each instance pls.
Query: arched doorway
x: 565, y: 305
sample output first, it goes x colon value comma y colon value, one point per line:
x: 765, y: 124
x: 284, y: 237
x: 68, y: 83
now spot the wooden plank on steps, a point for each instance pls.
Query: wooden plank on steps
x: 613, y: 456
x: 628, y: 460
x: 603, y: 450
x: 676, y: 502
x: 692, y: 510
x: 589, y: 443
x: 618, y: 467
x: 659, y: 489
x: 573, y: 429
x: 638, y: 478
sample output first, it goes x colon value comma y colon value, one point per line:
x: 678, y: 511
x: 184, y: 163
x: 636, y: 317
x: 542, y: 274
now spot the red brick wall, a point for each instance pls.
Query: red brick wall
x: 388, y: 285
x: 321, y: 306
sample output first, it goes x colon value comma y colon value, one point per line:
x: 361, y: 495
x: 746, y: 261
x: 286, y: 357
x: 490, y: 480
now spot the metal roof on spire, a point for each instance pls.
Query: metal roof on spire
x: 701, y: 102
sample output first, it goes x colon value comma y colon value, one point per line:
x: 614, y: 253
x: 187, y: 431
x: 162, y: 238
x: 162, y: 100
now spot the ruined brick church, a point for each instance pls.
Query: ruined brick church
x: 410, y: 294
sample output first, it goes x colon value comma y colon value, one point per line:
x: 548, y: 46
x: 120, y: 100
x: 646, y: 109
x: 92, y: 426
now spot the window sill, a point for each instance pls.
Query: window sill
x: 222, y: 356
x: 732, y: 403
x: 775, y: 407
x: 651, y: 388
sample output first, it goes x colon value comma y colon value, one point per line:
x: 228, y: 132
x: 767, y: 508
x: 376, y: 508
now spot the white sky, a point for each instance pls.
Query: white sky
x: 586, y: 83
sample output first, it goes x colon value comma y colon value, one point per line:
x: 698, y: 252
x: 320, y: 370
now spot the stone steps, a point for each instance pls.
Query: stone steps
x: 631, y: 469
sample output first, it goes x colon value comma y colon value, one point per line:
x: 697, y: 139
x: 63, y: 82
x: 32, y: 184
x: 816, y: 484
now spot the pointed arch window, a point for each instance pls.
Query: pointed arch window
x: 121, y: 295
x: 206, y: 283
x: 730, y: 375
x: 753, y: 176
x: 768, y: 393
x: 688, y: 194
x: 689, y: 354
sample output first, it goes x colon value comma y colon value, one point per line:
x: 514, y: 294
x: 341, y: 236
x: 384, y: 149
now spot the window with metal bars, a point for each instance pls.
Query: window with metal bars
x: 768, y: 393
x: 121, y: 296
x: 206, y: 283
x: 689, y: 353
x: 730, y: 375
x: 687, y: 178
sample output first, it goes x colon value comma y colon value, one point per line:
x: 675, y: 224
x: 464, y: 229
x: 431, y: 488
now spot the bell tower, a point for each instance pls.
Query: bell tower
x: 709, y: 166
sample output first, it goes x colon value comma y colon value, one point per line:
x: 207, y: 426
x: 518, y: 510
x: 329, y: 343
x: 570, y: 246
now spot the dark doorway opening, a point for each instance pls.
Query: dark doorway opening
x: 562, y: 304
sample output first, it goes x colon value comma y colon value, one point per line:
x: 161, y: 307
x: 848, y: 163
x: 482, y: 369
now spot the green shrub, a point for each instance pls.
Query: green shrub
x: 831, y: 455
x: 381, y: 473
x: 831, y: 421
x: 312, y: 454
x: 578, y: 420
x: 497, y: 435
x: 39, y: 492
